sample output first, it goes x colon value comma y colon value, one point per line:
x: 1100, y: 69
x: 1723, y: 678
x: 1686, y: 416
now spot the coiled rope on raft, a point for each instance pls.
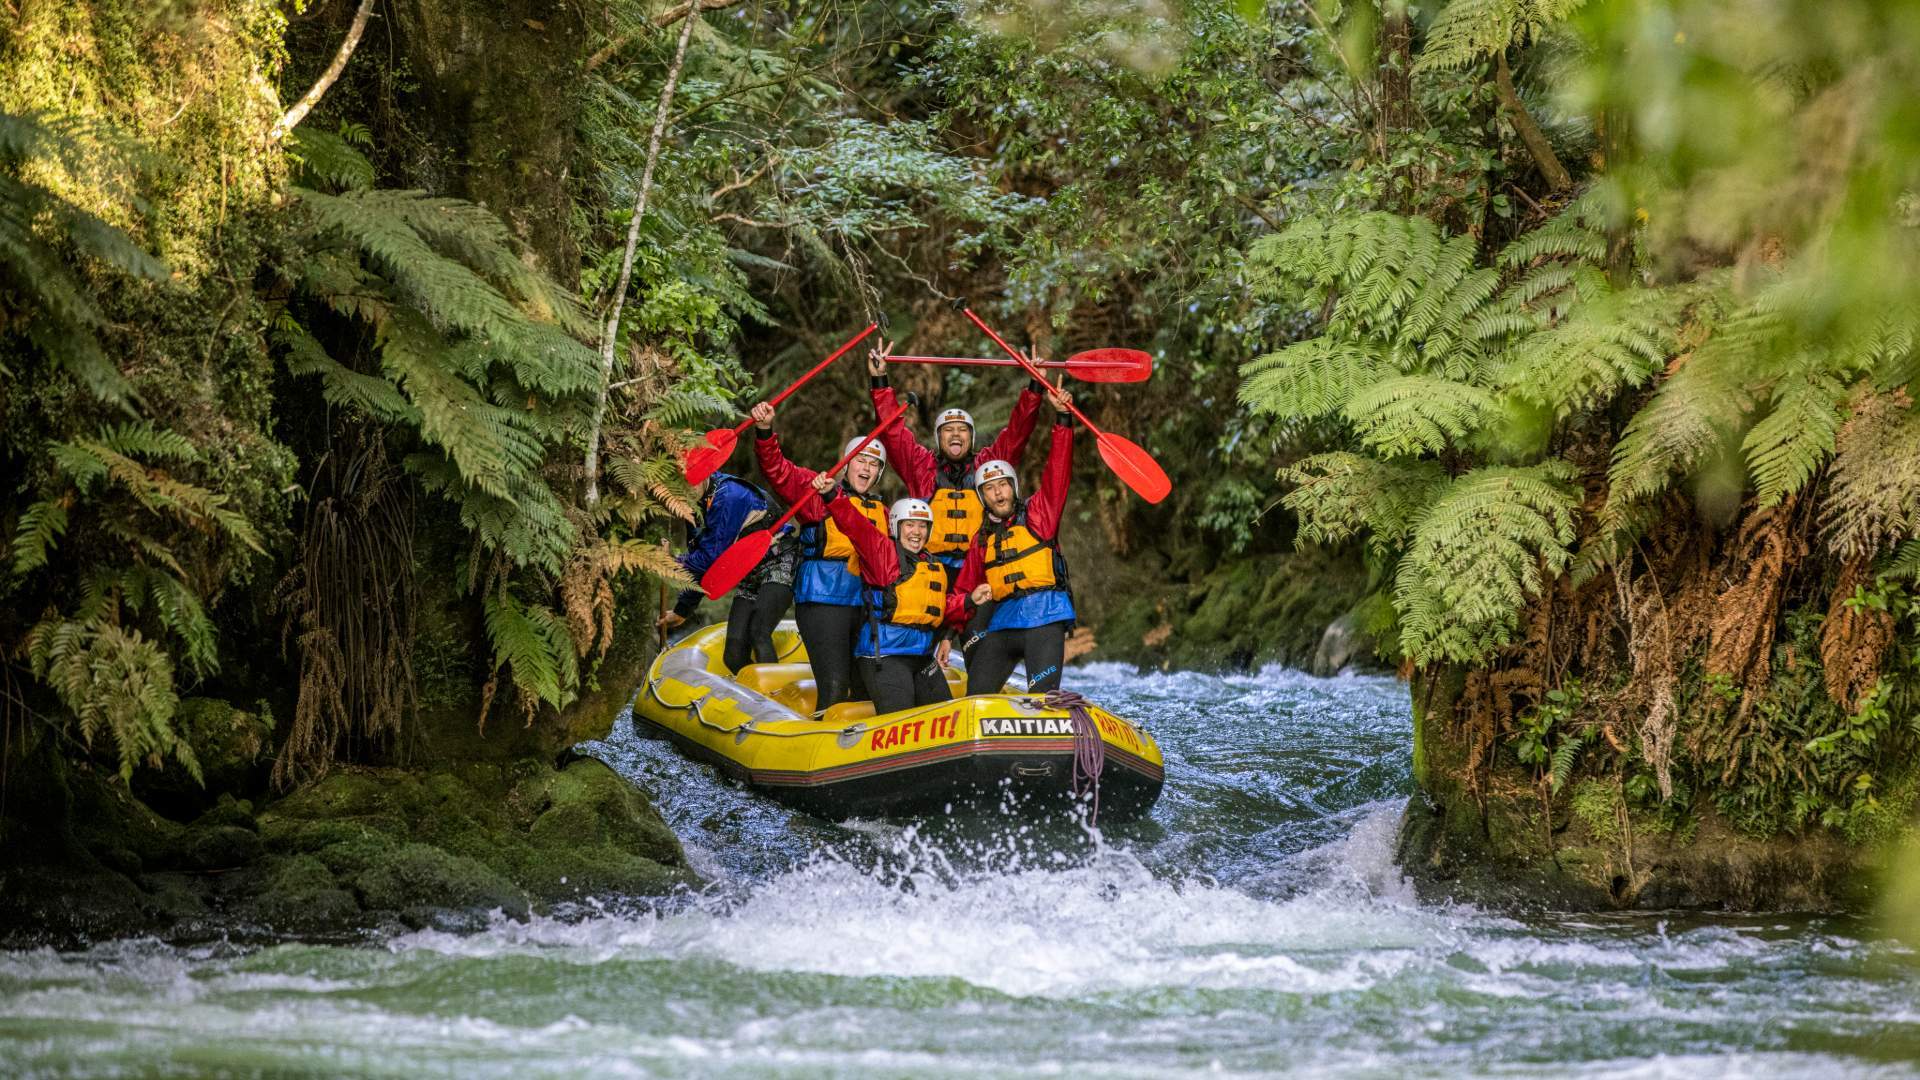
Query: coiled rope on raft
x: 1089, y: 749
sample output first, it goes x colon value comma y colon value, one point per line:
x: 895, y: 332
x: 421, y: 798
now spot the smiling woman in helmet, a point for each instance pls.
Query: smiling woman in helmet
x: 906, y: 603
x: 826, y: 589
x: 1016, y: 563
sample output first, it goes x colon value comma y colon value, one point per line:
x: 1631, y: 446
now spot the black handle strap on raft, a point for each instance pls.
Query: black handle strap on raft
x: 1089, y: 750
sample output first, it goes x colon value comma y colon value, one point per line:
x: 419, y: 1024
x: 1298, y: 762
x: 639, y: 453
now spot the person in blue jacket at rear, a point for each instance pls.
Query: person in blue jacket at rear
x: 729, y: 509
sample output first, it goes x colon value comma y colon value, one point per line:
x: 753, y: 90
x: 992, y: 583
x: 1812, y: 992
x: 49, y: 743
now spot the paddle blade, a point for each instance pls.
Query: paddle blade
x: 1134, y: 466
x: 1110, y: 366
x: 735, y: 563
x: 703, y: 461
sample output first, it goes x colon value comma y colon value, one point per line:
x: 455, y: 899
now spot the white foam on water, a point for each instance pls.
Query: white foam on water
x: 1100, y: 925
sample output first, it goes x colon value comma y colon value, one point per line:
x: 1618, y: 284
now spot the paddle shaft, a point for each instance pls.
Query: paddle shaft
x: 1031, y: 370
x: 991, y: 361
x: 842, y: 463
x: 741, y: 428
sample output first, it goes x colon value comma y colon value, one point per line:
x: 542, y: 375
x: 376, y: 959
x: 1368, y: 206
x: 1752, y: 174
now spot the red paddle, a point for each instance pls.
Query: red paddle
x: 1132, y: 464
x: 703, y: 461
x: 1094, y: 365
x: 745, y: 553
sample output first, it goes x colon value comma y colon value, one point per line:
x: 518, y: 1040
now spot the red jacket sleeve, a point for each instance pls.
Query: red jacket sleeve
x: 879, y: 562
x: 905, y: 456
x: 1011, y: 443
x: 793, y: 483
x: 1047, y: 504
x: 973, y: 572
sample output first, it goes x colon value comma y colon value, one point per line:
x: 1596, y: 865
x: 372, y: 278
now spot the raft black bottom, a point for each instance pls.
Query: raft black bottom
x: 983, y: 781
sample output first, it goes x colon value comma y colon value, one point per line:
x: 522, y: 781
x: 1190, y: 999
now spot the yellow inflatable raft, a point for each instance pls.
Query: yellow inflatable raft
x: 986, y: 751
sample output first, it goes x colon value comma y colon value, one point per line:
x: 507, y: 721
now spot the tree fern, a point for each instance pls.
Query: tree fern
x: 1467, y: 31
x: 1477, y: 554
x: 1311, y: 378
x: 48, y: 245
x: 1338, y: 496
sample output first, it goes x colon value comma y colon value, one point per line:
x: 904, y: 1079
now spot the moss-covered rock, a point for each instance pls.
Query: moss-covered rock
x: 235, y: 751
x: 297, y: 894
x: 1505, y: 839
x: 417, y: 880
x: 512, y: 834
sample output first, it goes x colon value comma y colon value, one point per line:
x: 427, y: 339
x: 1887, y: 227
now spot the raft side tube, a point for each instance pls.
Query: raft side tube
x: 985, y: 751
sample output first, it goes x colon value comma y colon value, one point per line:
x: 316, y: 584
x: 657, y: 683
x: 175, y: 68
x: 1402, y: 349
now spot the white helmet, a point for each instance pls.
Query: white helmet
x: 873, y: 448
x: 954, y: 416
x: 995, y: 470
x: 908, y: 510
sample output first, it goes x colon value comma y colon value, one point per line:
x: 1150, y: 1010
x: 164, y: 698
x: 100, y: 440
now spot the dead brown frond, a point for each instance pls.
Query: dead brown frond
x: 1854, y: 639
x: 586, y: 589
x: 1740, y: 642
x: 350, y: 605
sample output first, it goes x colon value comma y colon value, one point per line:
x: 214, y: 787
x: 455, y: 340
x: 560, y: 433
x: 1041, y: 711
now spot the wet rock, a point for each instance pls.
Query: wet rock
x: 219, y: 847
x: 1340, y: 644
x: 415, y: 880
x: 298, y: 894
x: 69, y: 905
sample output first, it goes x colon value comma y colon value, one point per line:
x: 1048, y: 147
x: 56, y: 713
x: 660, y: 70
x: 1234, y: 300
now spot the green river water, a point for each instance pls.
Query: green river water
x: 1254, y: 926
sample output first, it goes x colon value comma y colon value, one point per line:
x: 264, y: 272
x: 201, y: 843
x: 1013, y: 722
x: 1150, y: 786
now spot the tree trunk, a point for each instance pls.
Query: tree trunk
x: 1397, y: 112
x: 1530, y: 133
x: 1615, y: 142
x: 312, y: 97
x: 491, y: 112
x: 610, y: 337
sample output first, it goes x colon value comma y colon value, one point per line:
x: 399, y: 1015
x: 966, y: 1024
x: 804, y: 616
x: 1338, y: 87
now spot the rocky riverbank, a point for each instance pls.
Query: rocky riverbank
x: 1482, y: 829
x: 361, y: 849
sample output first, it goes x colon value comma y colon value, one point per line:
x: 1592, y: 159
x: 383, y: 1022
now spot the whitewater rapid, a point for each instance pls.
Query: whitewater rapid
x: 1255, y: 925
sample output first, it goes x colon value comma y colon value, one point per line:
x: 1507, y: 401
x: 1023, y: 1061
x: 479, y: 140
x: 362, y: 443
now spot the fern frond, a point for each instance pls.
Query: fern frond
x: 1609, y: 344
x: 1467, y: 31
x: 1699, y: 409
x: 339, y: 384
x: 533, y: 643
x: 1311, y: 378
x: 113, y: 681
x: 1795, y: 439
x: 326, y: 159
x: 1414, y: 414
x: 687, y: 408
x: 178, y: 609
x: 39, y: 530
x: 1339, y: 495
x: 1905, y: 563
x: 1565, y: 756
x: 1477, y: 554
x: 488, y: 443
x: 1873, y: 494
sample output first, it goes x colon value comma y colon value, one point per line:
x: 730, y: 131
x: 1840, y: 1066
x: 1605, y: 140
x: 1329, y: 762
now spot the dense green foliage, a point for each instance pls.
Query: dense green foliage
x: 1714, y: 327
x: 1547, y: 314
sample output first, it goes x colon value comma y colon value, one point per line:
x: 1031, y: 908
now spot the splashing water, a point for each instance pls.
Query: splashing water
x: 1254, y: 925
